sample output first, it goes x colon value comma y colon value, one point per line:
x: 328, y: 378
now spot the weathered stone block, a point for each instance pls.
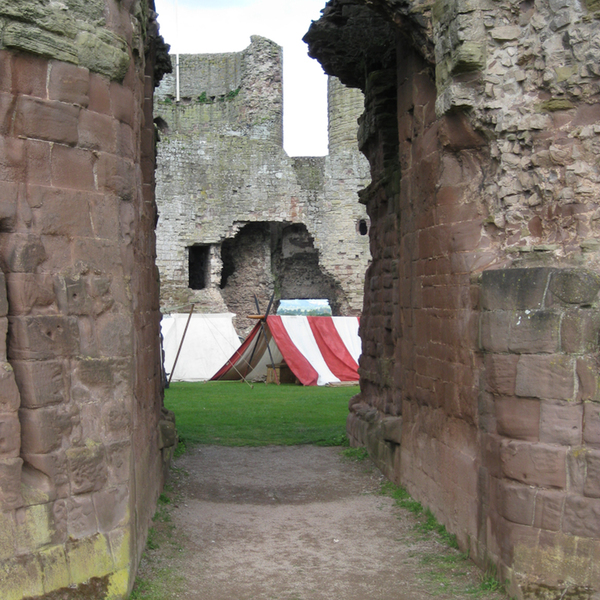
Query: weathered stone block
x: 501, y: 373
x: 44, y: 120
x: 72, y: 168
x: 61, y: 212
x: 89, y: 557
x: 591, y: 423
x: 561, y: 423
x: 576, y: 468
x: 22, y: 253
x: 105, y: 53
x: 87, y: 468
x: 112, y: 508
x: 547, y: 377
x: 54, y: 466
x: 7, y: 535
x: 36, y: 487
x: 21, y: 578
x: 43, y: 337
x: 3, y: 336
x: 517, y: 502
x: 29, y: 292
x: 69, y: 83
x: 391, y: 429
x: 119, y: 458
x: 34, y: 527
x: 8, y: 197
x: 99, y: 94
x: 514, y: 289
x: 587, y: 379
x: 82, y: 520
x: 115, y: 175
x: 494, y: 330
x: 533, y: 332
x: 10, y: 435
x: 43, y: 429
x: 575, y: 286
x: 41, y: 382
x: 518, y: 418
x: 592, y: 480
x: 582, y: 516
x: 3, y: 296
x: 29, y: 75
x: 120, y: 544
x: 114, y: 334
x: 97, y: 132
x: 122, y: 103
x: 9, y: 393
x: 549, y: 509
x: 534, y: 463
x: 167, y: 434
x: 116, y: 420
x: 55, y: 570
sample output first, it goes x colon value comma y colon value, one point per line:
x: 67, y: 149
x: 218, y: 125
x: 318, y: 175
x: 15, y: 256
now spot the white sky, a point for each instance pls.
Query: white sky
x: 205, y: 26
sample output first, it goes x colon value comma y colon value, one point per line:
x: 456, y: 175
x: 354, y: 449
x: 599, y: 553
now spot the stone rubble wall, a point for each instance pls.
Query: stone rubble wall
x: 221, y: 165
x: 479, y: 368
x: 83, y: 435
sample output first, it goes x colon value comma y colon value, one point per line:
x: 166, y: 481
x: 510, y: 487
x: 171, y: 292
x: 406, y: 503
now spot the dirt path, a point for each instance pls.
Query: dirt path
x: 294, y: 523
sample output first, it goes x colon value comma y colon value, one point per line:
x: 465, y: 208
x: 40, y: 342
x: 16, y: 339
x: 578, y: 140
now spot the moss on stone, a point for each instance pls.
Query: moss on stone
x: 76, y: 36
x: 90, y: 557
x: 556, y: 104
x: 29, y: 38
x: 104, y: 54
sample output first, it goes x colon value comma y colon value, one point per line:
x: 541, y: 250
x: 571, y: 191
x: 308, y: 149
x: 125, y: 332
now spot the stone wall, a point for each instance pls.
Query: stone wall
x: 222, y: 173
x: 79, y: 313
x: 480, y: 348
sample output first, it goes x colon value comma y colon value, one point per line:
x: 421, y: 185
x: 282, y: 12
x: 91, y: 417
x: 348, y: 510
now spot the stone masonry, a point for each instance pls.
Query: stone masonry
x: 231, y: 199
x: 479, y: 374
x: 83, y: 437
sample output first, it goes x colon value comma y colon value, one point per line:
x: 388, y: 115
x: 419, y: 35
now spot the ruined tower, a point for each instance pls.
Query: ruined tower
x: 238, y: 216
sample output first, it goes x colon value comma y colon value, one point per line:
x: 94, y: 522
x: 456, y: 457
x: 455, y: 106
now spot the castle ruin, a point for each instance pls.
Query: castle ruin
x: 479, y: 374
x: 238, y: 216
x: 83, y: 438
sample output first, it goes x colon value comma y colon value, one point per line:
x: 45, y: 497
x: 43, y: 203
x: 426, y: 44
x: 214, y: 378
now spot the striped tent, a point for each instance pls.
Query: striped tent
x: 318, y: 350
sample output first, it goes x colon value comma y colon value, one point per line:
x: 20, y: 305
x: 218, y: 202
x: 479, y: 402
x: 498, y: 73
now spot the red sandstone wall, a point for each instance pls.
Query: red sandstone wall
x: 80, y: 456
x: 420, y: 320
x: 479, y: 374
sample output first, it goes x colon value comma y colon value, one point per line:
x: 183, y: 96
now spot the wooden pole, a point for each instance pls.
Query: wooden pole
x: 180, y: 345
x: 262, y: 328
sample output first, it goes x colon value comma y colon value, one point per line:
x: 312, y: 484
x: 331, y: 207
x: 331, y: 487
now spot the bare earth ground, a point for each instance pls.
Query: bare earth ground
x: 294, y: 523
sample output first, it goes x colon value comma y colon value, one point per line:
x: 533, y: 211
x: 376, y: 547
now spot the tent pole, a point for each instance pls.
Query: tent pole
x: 180, y: 345
x: 262, y: 328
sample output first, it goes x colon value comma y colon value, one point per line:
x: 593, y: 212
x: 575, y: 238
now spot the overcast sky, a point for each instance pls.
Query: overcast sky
x: 205, y: 26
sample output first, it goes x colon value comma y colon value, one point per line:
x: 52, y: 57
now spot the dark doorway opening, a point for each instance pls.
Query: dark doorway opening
x: 198, y: 266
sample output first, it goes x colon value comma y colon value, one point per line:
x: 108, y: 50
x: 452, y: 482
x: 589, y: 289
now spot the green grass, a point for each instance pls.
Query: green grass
x: 355, y: 454
x: 426, y: 521
x: 234, y: 414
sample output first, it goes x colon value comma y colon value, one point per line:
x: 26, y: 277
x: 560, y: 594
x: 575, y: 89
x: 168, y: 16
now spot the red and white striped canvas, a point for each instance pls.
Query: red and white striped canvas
x: 318, y: 350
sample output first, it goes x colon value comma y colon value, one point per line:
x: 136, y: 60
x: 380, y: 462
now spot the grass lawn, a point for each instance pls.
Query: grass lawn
x: 234, y: 414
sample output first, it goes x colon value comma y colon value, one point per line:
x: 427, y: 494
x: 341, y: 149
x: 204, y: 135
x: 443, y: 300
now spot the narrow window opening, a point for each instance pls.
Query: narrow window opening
x: 363, y: 227
x: 198, y: 266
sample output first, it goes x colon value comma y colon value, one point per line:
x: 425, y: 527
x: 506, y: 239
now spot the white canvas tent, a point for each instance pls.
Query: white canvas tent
x: 209, y: 341
x: 318, y: 350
